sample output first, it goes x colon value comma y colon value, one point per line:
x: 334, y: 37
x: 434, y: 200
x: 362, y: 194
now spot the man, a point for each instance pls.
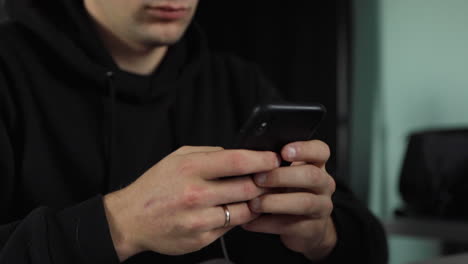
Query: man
x: 102, y: 97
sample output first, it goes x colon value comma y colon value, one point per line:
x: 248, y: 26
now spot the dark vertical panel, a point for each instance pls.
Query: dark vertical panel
x: 2, y: 10
x: 366, y: 80
x: 344, y: 87
x: 296, y: 45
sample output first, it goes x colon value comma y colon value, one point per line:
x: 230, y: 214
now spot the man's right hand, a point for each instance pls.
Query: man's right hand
x: 175, y: 207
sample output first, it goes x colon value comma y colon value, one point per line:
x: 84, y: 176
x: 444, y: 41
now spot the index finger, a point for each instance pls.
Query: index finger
x: 313, y: 151
x: 235, y: 162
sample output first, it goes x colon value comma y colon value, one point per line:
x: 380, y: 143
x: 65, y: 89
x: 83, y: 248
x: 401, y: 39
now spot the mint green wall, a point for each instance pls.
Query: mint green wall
x: 411, y: 73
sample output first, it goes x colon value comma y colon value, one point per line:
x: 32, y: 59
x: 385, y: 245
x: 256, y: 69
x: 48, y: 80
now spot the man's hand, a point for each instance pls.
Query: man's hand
x: 174, y: 207
x: 299, y: 204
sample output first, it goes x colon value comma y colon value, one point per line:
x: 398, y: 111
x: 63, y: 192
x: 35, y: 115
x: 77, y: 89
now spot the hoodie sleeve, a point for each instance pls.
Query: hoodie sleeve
x: 78, y: 234
x: 361, y: 236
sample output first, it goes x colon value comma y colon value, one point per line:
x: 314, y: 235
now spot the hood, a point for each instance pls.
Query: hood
x: 66, y: 28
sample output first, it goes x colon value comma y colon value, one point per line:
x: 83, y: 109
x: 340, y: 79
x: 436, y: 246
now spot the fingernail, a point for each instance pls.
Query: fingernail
x: 291, y: 152
x: 260, y: 178
x: 255, y: 204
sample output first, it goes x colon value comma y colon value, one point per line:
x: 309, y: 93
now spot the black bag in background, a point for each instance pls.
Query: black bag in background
x: 434, y: 176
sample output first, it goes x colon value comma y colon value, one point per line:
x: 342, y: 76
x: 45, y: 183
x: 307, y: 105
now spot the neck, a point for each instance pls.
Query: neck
x: 134, y: 58
x: 140, y: 63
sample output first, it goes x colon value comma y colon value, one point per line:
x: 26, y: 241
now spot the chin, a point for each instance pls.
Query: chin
x: 167, y: 40
x: 161, y: 41
x: 164, y: 36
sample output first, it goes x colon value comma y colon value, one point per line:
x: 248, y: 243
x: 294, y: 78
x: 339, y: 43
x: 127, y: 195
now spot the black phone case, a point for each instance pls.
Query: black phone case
x: 271, y: 126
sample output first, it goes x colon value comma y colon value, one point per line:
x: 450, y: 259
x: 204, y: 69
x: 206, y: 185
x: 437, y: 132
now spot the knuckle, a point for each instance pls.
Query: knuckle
x: 187, y: 166
x: 243, y: 216
x: 185, y: 225
x: 184, y: 149
x: 271, y: 159
x: 193, y: 196
x: 195, y: 224
x: 250, y: 190
x: 205, y: 155
x: 328, y: 207
x: 310, y: 203
x: 331, y: 184
x: 274, y: 179
x: 313, y: 175
x: 237, y: 162
x: 324, y: 148
x: 260, y: 204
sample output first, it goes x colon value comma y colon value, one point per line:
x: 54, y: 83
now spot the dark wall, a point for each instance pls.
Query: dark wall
x: 295, y: 43
x: 301, y: 46
x: 2, y: 10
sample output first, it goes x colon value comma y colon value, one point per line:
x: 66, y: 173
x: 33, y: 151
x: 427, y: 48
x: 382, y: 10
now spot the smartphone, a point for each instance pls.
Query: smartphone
x: 272, y: 126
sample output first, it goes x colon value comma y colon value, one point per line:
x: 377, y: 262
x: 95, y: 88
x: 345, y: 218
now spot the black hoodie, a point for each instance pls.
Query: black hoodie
x: 74, y: 127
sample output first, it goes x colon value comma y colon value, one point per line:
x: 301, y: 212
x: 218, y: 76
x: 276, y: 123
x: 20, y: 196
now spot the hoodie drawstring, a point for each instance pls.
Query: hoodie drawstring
x: 109, y: 129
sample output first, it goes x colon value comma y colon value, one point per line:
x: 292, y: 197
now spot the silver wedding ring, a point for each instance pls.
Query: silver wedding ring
x: 227, y: 215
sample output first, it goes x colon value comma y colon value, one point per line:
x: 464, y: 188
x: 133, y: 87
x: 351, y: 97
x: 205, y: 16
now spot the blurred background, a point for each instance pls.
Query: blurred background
x: 410, y: 73
x: 383, y: 68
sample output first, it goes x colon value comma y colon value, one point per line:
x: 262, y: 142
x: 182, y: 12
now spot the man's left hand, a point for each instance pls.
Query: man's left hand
x: 299, y: 205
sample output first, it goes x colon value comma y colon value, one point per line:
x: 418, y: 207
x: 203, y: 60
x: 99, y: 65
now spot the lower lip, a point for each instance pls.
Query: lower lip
x: 168, y: 15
